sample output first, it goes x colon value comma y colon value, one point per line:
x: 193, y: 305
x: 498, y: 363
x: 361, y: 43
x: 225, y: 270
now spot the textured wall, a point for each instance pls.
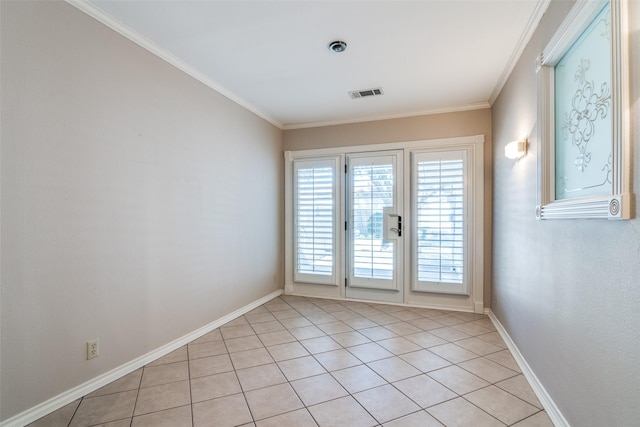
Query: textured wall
x: 567, y: 291
x: 137, y: 204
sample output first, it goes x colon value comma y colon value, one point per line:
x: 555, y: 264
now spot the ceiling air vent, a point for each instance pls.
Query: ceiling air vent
x: 366, y: 92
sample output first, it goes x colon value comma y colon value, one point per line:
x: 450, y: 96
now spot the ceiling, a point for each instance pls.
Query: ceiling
x: 272, y: 56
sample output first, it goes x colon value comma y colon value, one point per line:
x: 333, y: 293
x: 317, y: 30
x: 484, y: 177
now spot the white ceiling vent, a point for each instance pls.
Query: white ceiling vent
x: 366, y: 92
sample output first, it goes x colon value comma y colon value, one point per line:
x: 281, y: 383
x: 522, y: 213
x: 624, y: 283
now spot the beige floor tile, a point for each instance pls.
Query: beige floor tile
x: 214, y: 335
x: 393, y: 369
x: 424, y: 390
x: 306, y: 332
x: 320, y: 318
x: 426, y: 324
x: 277, y: 337
x: 179, y: 355
x: 343, y: 412
x: 519, y: 386
x: 240, y: 321
x: 337, y: 359
x: 487, y: 370
x: 318, y: 389
x: 453, y: 353
x: 425, y: 339
x: 417, y: 419
x: 377, y: 333
x: 538, y: 420
x: 236, y: 331
x: 250, y: 358
x: 58, y: 418
x: 383, y: 319
x: 261, y: 309
x: 298, y: 418
x: 128, y: 382
x: 485, y: 323
x: 213, y: 386
x: 207, y: 349
x: 335, y: 327
x: 349, y: 339
x: 360, y: 323
x: 478, y: 346
x: 460, y: 413
x: 345, y: 314
x: 471, y: 328
x: 120, y: 423
x: 469, y: 317
x: 450, y: 334
x: 302, y: 367
x: 210, y: 366
x: 458, y: 380
x: 163, y: 374
x: 254, y: 318
x: 505, y: 359
x: 399, y: 345
x: 320, y: 344
x: 370, y: 352
x: 358, y: 378
x: 448, y: 319
x: 243, y: 343
x: 102, y: 409
x: 271, y: 401
x: 265, y: 327
x: 386, y: 403
x: 493, y: 338
x: 287, y: 351
x: 502, y: 405
x: 403, y: 328
x: 406, y: 315
x: 260, y: 376
x: 425, y: 361
x: 174, y: 417
x: 285, y: 314
x: 225, y: 411
x: 295, y: 322
x: 160, y: 397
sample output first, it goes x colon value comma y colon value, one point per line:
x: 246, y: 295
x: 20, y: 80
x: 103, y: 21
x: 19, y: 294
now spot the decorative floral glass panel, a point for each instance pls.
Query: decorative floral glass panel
x: 583, y: 128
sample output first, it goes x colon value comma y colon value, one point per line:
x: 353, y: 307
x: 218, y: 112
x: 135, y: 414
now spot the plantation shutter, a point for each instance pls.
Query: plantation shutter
x: 315, y: 220
x: 440, y: 209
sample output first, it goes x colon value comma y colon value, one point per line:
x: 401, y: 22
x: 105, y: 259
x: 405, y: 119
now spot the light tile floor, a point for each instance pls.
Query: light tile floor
x: 315, y: 362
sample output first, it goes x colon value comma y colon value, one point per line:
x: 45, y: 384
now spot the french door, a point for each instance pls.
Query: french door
x: 374, y: 211
x: 401, y: 223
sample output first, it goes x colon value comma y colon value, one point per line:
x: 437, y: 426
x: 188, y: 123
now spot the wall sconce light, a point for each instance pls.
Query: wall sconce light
x: 516, y: 149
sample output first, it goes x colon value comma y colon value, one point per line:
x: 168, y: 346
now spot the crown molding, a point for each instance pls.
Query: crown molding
x: 122, y: 29
x: 478, y: 106
x: 530, y: 28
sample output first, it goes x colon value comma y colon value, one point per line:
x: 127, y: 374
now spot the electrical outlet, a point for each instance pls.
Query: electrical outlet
x: 92, y: 349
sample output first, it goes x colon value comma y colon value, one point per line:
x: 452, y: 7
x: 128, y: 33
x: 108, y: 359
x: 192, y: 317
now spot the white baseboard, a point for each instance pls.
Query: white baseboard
x: 57, y: 402
x: 549, y: 405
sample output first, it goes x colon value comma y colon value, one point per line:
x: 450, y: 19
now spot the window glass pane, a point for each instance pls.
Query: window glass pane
x: 314, y: 220
x: 583, y: 160
x: 440, y: 221
x: 372, y: 190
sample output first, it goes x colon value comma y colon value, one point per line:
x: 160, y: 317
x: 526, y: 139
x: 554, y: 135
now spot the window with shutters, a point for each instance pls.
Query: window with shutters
x: 440, y: 206
x: 314, y: 214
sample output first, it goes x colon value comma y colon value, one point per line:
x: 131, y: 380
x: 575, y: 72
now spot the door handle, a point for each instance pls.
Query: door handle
x: 399, y: 229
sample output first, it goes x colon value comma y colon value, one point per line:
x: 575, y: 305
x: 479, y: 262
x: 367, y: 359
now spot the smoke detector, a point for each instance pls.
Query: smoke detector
x: 337, y: 46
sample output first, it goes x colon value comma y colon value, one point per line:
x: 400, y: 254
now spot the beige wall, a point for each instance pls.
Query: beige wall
x: 567, y: 291
x: 465, y: 123
x: 137, y: 204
